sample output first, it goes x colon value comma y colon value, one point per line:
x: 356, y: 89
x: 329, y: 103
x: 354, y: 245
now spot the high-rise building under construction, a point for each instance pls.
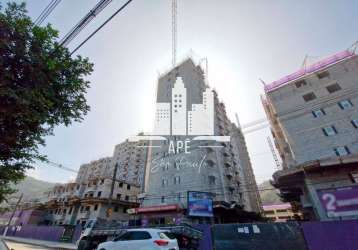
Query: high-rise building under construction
x: 201, y: 150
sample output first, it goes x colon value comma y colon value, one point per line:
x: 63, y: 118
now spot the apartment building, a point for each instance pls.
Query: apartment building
x: 313, y: 114
x: 131, y: 158
x: 221, y: 168
x: 280, y: 212
x: 94, y: 194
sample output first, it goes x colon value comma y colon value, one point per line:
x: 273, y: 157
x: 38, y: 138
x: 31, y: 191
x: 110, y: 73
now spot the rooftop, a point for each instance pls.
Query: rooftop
x: 324, y: 63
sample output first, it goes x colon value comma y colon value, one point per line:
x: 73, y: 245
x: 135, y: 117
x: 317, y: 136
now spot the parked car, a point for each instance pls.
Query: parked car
x: 142, y: 239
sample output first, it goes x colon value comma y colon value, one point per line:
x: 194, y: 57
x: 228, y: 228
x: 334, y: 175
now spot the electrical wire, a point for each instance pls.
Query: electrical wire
x: 101, y: 26
x: 46, y: 12
x: 73, y: 33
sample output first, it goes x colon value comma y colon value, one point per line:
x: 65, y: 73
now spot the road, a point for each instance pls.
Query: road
x: 22, y: 246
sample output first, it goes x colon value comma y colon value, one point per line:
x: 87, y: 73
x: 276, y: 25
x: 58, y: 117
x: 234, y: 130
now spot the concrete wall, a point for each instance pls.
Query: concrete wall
x: 301, y: 130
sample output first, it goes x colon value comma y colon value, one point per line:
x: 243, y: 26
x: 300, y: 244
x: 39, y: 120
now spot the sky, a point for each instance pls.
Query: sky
x: 243, y: 40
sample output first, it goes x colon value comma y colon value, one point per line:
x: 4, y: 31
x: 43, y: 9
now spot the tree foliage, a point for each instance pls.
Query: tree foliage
x: 41, y: 86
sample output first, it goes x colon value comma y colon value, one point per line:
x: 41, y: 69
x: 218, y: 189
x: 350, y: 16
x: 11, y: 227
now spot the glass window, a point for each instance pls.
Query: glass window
x: 139, y: 235
x: 328, y: 131
x: 318, y: 113
x: 333, y: 88
x: 212, y: 180
x: 163, y: 199
x: 177, y: 180
x: 345, y: 104
x: 301, y: 83
x: 341, y: 151
x: 355, y: 123
x: 166, y: 235
x: 309, y: 97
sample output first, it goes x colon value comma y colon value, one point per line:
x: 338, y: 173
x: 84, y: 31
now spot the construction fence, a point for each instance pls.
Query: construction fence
x: 332, y: 235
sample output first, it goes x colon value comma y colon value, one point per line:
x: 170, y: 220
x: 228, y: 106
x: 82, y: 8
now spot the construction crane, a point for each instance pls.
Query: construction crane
x: 57, y: 165
x: 174, y: 32
x: 274, y: 155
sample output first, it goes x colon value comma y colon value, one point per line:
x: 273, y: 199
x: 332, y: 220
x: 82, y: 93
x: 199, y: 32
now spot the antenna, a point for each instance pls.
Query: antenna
x: 277, y: 162
x: 174, y: 32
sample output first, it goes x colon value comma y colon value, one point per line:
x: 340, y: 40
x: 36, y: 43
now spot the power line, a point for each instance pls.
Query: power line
x: 46, y: 12
x: 84, y: 22
x: 100, y: 27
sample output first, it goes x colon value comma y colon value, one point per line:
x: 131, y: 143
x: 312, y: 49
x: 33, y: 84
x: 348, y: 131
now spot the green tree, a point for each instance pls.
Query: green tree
x: 41, y: 86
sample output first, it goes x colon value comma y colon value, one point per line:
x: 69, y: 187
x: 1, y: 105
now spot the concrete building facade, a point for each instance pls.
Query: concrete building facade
x: 221, y: 168
x: 313, y: 115
x: 91, y: 196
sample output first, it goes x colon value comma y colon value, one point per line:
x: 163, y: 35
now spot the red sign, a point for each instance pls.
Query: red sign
x: 157, y: 208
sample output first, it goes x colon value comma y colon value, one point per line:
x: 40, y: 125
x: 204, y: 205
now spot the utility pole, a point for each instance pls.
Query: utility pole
x: 109, y: 210
x: 12, y: 215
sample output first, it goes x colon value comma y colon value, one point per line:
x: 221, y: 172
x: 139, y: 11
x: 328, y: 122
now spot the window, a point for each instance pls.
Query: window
x: 176, y: 180
x: 269, y: 212
x: 179, y: 197
x: 128, y: 187
x: 318, y: 113
x: 309, y: 97
x: 127, y: 198
x: 134, y: 235
x: 342, y: 151
x: 70, y: 211
x: 355, y: 123
x: 124, y: 210
x: 120, y: 184
x: 301, y: 83
x: 323, y: 74
x: 118, y: 196
x: 345, y: 104
x: 333, y: 88
x: 328, y: 131
x: 99, y: 194
x: 163, y: 199
x: 95, y: 207
x: 164, y: 182
x: 88, y: 208
x: 281, y: 210
x: 116, y: 208
x: 212, y: 180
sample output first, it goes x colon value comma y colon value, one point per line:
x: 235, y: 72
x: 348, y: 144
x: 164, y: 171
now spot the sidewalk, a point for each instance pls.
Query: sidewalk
x: 42, y: 243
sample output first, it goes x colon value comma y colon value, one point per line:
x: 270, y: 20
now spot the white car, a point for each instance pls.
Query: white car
x: 142, y: 239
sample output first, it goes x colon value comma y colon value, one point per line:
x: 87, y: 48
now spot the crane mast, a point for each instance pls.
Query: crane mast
x: 174, y: 31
